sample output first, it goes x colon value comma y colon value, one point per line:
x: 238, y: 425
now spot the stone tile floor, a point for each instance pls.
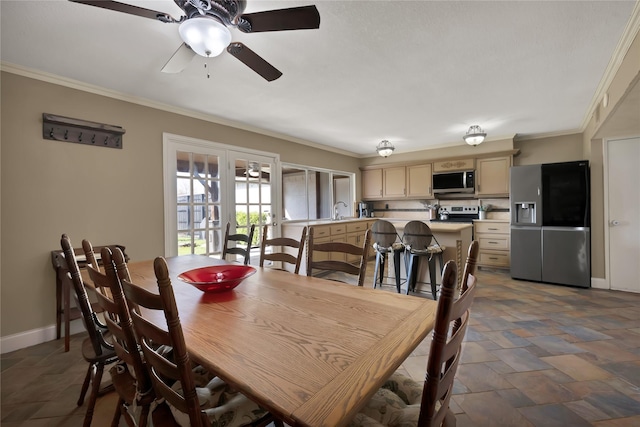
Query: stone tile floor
x: 535, y: 355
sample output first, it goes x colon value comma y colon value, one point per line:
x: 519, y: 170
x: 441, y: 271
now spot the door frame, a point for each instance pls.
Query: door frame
x: 606, y: 219
x: 172, y: 143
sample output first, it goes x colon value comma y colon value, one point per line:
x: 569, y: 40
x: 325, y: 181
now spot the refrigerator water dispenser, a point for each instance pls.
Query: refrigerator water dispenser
x: 525, y: 213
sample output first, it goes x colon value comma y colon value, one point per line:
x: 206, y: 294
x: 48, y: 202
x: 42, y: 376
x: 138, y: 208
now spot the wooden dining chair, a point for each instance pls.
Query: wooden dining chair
x: 271, y: 249
x: 129, y: 376
x: 238, y: 244
x: 385, y: 242
x: 96, y: 349
x: 403, y: 401
x: 417, y: 239
x: 196, y: 398
x: 470, y: 264
x: 323, y: 256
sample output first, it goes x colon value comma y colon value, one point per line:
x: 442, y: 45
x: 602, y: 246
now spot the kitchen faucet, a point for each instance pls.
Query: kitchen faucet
x: 335, y: 209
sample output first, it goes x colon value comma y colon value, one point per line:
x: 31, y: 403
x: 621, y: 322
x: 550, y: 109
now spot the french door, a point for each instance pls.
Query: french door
x: 253, y: 196
x: 207, y: 185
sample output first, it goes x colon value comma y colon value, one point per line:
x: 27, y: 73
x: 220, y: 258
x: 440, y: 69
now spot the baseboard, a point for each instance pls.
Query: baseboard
x: 35, y: 336
x: 599, y: 283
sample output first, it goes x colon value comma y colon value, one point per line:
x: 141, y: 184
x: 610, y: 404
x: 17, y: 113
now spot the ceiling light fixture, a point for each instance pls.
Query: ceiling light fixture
x: 254, y: 169
x: 385, y: 148
x: 205, y: 35
x: 475, y: 135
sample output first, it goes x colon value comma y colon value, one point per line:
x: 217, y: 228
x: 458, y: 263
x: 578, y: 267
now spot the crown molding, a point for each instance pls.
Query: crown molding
x: 98, y: 90
x: 631, y: 30
x: 528, y: 137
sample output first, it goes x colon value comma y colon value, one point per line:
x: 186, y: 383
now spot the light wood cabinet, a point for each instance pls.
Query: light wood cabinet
x: 454, y: 165
x: 492, y: 176
x: 372, y: 184
x: 494, y: 243
x: 394, y: 182
x: 355, y: 236
x: 419, y: 181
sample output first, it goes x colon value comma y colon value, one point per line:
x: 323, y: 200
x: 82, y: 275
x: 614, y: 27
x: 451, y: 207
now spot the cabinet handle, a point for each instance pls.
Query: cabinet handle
x: 493, y: 258
x: 478, y: 187
x: 381, y: 192
x: 493, y: 229
x: 493, y: 243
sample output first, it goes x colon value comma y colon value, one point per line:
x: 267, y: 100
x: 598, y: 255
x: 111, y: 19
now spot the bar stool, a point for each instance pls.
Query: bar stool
x: 384, y: 242
x: 417, y: 239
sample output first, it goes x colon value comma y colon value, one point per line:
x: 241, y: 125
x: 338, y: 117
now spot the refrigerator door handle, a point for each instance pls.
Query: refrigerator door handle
x: 538, y: 191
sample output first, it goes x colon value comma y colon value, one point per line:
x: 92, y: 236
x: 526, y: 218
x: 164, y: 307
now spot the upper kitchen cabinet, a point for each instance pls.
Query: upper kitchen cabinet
x: 419, y: 181
x: 454, y: 165
x: 394, y: 182
x: 492, y: 176
x: 372, y: 184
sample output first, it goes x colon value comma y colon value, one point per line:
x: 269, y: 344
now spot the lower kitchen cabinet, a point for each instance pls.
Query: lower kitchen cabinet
x: 493, y: 240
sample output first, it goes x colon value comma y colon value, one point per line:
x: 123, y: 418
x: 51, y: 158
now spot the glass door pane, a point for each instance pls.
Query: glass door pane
x: 255, y: 190
x: 198, y: 203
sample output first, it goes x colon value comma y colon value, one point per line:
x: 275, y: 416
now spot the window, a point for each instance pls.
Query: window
x: 311, y: 193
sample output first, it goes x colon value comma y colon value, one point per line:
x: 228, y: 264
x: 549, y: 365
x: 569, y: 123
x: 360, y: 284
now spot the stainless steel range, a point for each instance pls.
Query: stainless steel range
x: 453, y: 213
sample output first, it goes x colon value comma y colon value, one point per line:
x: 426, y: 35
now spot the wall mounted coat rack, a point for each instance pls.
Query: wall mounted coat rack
x: 66, y: 129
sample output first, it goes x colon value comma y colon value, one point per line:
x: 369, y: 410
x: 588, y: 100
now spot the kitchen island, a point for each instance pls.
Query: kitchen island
x: 456, y: 237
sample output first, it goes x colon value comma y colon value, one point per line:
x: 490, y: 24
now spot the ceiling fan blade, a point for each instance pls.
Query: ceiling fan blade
x: 254, y: 61
x: 179, y: 60
x: 295, y: 18
x: 128, y: 8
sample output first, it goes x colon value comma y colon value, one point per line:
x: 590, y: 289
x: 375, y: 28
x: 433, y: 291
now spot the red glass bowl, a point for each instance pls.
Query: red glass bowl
x: 217, y: 278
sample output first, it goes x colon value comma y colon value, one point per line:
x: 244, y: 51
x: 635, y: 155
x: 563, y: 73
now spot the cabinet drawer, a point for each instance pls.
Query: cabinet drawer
x: 499, y: 242
x: 357, y: 226
x: 321, y: 232
x: 493, y: 258
x: 492, y: 227
x: 338, y: 229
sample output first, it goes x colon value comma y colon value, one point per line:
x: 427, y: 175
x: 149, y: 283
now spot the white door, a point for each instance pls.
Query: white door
x: 254, y: 198
x: 623, y: 216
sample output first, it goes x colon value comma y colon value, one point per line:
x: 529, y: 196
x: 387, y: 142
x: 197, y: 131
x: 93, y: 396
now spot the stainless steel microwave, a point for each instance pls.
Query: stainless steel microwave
x: 454, y: 182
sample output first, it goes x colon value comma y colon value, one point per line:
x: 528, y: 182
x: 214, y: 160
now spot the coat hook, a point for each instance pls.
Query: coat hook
x: 93, y: 139
x: 106, y: 138
x: 80, y: 137
x: 51, y: 133
x: 66, y: 134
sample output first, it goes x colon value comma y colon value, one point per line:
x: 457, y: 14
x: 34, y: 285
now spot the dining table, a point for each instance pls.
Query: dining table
x: 312, y: 351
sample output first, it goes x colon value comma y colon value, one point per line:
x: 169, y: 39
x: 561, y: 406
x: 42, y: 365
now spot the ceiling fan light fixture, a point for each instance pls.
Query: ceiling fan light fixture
x: 385, y: 148
x: 254, y: 170
x: 205, y: 35
x: 475, y: 135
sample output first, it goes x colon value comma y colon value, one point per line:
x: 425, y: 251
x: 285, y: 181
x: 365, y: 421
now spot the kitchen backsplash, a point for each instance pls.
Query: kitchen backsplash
x: 419, y: 209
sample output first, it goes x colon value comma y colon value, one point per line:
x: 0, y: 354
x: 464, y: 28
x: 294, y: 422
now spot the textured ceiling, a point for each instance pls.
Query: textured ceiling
x: 418, y: 73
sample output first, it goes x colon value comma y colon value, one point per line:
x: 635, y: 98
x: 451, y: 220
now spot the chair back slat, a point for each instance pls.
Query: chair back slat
x: 359, y: 269
x: 279, y: 243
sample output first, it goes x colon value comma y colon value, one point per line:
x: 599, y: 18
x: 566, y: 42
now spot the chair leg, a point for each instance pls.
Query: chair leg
x: 117, y: 413
x: 85, y: 384
x: 432, y: 276
x: 144, y: 416
x: 383, y: 261
x: 396, y: 268
x: 95, y: 389
x: 375, y: 270
x: 410, y: 273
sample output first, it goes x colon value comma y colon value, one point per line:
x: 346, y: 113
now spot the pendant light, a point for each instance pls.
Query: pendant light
x: 475, y: 135
x: 385, y: 148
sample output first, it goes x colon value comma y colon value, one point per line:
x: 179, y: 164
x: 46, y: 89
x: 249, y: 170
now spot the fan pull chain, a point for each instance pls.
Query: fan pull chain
x: 206, y: 65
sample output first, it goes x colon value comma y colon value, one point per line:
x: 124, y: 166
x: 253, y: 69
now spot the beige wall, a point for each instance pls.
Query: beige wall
x: 105, y: 195
x: 564, y: 148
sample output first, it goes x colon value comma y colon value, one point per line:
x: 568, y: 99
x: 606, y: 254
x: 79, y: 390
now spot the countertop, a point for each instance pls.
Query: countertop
x: 438, y: 226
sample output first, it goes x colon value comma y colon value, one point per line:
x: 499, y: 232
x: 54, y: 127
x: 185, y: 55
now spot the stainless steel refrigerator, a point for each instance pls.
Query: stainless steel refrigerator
x: 550, y: 223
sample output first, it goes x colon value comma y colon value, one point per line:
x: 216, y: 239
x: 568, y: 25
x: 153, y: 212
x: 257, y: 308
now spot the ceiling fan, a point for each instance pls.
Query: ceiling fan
x: 204, y: 28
